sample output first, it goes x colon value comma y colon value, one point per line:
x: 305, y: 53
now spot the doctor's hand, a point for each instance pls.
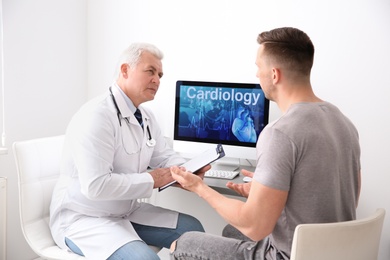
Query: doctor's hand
x: 161, y: 176
x: 241, y: 188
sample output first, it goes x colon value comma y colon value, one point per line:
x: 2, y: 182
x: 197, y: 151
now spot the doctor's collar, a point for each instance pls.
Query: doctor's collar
x: 125, y: 105
x: 151, y: 142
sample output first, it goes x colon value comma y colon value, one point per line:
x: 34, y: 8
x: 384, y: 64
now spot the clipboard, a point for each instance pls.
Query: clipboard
x: 200, y: 161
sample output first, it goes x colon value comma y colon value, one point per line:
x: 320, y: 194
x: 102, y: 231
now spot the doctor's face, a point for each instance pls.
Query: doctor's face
x: 140, y: 83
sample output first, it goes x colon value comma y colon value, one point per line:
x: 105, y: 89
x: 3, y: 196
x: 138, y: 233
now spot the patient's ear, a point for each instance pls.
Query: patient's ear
x: 275, y: 75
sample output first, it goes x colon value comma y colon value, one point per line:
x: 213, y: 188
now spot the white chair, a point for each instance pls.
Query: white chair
x: 357, y: 239
x: 38, y: 168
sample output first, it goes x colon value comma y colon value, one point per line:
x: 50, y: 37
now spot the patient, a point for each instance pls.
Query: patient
x: 308, y: 164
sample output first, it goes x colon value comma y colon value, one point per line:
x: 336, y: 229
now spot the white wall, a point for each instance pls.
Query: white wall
x: 58, y: 53
x: 45, y: 59
x: 216, y: 40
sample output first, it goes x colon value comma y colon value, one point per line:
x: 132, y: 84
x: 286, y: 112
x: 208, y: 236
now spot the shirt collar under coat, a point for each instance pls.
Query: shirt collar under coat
x: 125, y: 105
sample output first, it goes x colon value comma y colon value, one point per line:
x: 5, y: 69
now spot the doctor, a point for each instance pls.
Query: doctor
x: 107, y: 153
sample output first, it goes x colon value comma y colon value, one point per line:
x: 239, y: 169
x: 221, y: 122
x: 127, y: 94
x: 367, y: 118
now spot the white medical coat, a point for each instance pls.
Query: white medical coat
x: 103, y: 173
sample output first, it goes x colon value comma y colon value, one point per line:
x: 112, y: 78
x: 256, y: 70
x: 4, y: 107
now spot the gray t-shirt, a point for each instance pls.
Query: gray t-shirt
x: 312, y: 152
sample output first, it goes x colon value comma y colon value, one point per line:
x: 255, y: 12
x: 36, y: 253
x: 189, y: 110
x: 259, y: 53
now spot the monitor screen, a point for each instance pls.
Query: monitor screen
x: 231, y: 114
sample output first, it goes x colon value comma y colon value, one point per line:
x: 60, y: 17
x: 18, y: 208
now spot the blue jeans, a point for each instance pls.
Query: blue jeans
x: 156, y: 236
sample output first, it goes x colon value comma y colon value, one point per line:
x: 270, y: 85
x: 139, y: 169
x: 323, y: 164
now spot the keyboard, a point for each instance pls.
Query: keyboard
x: 221, y: 174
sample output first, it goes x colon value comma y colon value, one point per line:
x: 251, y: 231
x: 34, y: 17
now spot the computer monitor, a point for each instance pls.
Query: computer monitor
x: 209, y: 113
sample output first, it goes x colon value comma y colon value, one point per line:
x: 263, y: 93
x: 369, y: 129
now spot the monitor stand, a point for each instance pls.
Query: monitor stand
x: 226, y: 164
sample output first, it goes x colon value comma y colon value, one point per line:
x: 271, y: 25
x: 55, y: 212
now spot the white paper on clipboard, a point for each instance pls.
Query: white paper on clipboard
x: 200, y: 161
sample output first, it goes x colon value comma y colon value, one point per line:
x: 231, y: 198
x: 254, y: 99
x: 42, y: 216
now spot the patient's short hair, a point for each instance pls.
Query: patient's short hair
x: 289, y: 47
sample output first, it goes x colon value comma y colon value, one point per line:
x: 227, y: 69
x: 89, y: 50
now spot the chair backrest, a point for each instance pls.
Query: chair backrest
x: 357, y: 239
x: 38, y: 168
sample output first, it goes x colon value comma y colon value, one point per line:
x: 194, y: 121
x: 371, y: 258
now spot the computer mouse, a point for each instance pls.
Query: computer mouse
x: 247, y: 179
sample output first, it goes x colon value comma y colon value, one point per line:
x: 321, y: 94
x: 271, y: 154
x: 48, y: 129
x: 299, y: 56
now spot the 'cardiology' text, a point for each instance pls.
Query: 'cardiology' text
x: 219, y: 94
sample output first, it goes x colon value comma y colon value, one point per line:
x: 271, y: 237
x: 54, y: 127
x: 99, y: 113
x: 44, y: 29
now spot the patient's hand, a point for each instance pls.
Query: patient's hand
x: 187, y: 180
x: 241, y: 188
x: 203, y: 170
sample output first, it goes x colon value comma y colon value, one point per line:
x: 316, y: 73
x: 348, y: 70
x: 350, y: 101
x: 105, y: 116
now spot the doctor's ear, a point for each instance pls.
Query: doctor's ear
x: 124, y: 69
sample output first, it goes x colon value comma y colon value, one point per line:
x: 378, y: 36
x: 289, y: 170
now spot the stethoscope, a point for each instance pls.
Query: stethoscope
x: 150, y: 142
